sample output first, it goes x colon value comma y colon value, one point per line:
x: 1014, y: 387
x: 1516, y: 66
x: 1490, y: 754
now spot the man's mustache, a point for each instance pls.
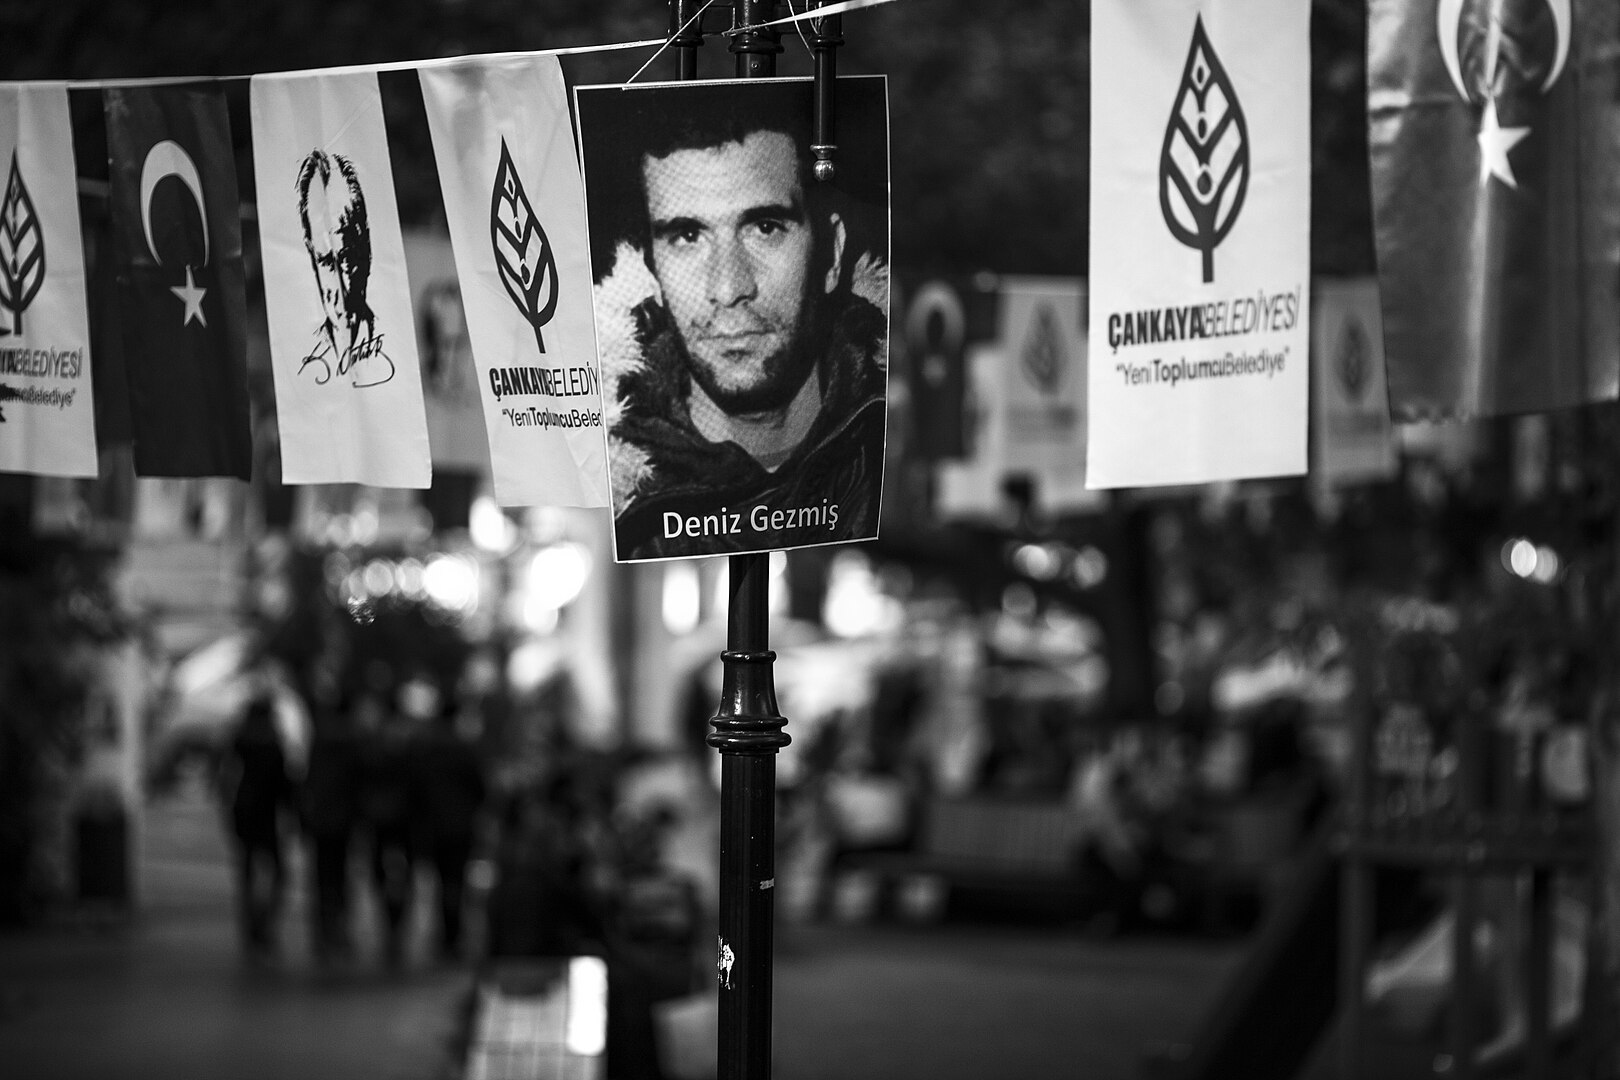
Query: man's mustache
x: 738, y: 324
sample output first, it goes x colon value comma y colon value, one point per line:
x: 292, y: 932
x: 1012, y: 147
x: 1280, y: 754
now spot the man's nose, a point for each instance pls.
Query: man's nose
x: 731, y: 274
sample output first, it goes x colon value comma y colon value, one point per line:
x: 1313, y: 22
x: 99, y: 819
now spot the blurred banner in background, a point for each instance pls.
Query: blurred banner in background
x: 1351, y: 436
x: 455, y: 416
x: 1495, y: 200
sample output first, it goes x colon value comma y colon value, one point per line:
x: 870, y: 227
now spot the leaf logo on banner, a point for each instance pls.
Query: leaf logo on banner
x: 1043, y: 356
x: 1204, y: 165
x: 523, y: 255
x: 22, y: 249
x: 1351, y: 363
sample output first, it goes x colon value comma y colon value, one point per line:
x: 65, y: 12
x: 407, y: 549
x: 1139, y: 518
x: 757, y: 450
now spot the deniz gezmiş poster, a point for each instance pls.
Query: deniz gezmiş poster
x: 742, y: 313
x: 512, y: 196
x: 47, y: 417
x: 342, y: 339
x: 1200, y: 241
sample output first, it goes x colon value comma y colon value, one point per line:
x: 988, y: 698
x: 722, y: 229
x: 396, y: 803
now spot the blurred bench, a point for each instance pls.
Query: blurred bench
x: 981, y: 843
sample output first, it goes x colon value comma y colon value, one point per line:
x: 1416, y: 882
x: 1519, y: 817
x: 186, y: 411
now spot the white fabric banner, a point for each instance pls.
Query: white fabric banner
x: 342, y: 340
x: 1200, y: 240
x: 47, y: 415
x: 1350, y: 422
x: 516, y: 207
x: 1043, y: 334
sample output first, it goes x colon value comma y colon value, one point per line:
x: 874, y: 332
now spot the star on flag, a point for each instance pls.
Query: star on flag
x: 1494, y: 143
x: 192, y: 297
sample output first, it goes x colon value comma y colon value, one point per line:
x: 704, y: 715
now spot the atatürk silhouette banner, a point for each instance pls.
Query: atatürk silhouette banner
x: 1200, y: 241
x: 177, y: 240
x: 342, y: 336
x: 1495, y: 194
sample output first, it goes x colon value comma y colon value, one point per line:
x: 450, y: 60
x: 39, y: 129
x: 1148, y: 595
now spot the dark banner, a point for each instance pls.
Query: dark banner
x: 177, y: 246
x: 1492, y: 208
x: 741, y: 313
x: 942, y: 317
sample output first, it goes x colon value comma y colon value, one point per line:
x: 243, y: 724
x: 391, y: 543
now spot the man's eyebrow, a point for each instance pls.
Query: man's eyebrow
x: 674, y: 226
x: 793, y: 211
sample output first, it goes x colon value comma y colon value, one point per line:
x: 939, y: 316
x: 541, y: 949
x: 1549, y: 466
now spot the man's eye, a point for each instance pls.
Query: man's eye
x: 769, y: 227
x: 681, y: 237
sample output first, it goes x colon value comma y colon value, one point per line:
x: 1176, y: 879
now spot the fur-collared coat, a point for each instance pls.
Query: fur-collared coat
x: 676, y: 493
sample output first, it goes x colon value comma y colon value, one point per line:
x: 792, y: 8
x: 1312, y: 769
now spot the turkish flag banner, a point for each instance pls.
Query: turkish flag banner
x: 47, y: 413
x: 1197, y: 357
x: 177, y: 243
x: 1494, y: 198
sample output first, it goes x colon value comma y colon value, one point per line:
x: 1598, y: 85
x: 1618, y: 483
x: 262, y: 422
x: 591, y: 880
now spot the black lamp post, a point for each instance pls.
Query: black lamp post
x: 748, y: 733
x: 747, y: 725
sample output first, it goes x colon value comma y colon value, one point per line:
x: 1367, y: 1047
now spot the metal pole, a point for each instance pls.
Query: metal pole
x: 748, y: 733
x: 687, y: 39
x: 826, y: 34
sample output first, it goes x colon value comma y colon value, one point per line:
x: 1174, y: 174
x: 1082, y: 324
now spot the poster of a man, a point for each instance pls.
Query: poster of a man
x: 332, y: 211
x: 741, y: 313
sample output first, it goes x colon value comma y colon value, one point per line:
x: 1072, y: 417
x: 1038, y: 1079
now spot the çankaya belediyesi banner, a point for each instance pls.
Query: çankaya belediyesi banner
x: 47, y: 417
x: 505, y: 151
x: 1200, y: 241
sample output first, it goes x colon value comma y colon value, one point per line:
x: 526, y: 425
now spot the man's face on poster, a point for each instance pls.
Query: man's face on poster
x: 339, y: 252
x: 735, y: 254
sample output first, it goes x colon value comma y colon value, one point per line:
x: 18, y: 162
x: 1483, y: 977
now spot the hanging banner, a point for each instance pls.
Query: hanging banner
x: 47, y: 410
x: 944, y: 316
x: 1200, y: 240
x: 1494, y: 203
x: 974, y: 489
x: 455, y: 415
x: 177, y: 244
x: 1043, y: 335
x: 342, y: 339
x: 742, y: 312
x: 1350, y: 419
x: 505, y: 150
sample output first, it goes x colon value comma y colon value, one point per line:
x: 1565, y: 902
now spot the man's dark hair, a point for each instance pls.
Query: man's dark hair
x: 665, y: 124
x: 668, y: 125
x: 353, y: 236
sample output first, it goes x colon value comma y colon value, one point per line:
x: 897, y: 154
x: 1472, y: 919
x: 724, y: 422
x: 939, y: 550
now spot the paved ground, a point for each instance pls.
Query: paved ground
x: 165, y: 995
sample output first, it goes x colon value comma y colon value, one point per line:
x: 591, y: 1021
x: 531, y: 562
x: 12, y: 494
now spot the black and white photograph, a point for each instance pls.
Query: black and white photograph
x: 741, y: 312
x: 937, y: 540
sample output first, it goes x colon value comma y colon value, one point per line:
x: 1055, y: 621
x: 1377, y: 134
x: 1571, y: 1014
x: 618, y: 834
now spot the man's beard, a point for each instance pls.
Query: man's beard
x: 784, y: 370
x: 790, y: 367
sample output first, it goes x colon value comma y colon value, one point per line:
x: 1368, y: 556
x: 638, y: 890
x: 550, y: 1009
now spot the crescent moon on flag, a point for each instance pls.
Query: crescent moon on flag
x: 1448, y: 20
x: 169, y: 158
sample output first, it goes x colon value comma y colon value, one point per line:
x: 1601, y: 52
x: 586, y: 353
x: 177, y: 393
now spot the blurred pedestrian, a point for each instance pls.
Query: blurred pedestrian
x: 256, y: 786
x: 450, y: 791
x: 386, y: 764
x: 543, y: 903
x: 330, y: 803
